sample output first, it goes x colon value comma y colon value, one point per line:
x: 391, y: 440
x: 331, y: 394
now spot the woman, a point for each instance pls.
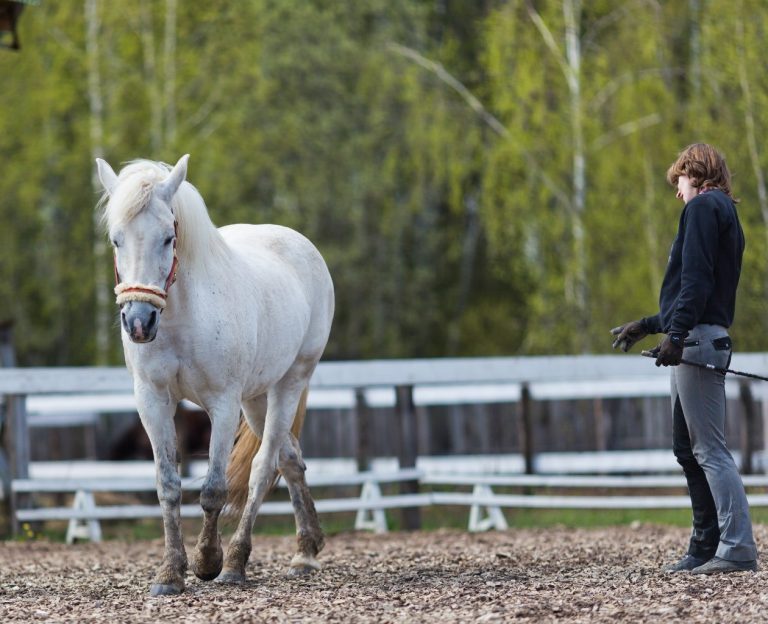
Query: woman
x: 696, y: 307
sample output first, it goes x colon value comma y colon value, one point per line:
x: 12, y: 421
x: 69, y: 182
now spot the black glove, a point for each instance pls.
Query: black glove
x: 628, y: 334
x: 670, y: 351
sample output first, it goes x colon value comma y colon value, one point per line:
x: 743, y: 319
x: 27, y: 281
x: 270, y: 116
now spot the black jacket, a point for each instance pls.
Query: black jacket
x: 704, y: 267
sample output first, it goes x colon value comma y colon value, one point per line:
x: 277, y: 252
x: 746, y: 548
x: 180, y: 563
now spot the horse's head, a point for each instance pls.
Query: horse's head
x: 142, y: 229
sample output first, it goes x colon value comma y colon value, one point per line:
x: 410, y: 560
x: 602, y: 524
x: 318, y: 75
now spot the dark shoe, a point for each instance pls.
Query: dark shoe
x: 716, y: 565
x: 686, y: 564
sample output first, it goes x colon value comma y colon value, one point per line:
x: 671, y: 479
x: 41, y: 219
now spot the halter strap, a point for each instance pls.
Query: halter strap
x: 142, y: 292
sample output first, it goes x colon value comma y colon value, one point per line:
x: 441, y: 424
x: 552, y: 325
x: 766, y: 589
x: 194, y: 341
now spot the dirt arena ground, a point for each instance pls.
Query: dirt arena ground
x: 564, y: 575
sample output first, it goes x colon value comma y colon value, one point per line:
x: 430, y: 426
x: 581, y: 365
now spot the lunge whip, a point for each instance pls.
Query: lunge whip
x: 711, y: 367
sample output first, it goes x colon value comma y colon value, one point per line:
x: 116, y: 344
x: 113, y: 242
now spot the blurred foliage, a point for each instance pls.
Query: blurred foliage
x: 427, y: 147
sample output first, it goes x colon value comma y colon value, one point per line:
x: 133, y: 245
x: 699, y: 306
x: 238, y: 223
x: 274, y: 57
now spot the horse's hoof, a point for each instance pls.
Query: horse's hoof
x: 209, y: 572
x: 230, y: 578
x: 208, y: 560
x: 298, y: 571
x: 207, y: 577
x: 163, y: 589
x: 303, y: 565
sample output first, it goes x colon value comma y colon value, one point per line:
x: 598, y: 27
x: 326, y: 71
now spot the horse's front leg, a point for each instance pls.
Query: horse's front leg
x: 209, y: 556
x: 156, y: 411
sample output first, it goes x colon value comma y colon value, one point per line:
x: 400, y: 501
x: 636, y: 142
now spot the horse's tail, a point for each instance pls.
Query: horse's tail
x: 247, y: 443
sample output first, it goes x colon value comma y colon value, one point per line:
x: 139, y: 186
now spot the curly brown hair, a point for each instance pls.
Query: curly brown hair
x: 705, y: 166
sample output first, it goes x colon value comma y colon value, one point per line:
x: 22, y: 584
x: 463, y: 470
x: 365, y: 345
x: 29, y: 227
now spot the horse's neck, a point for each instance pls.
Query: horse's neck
x: 200, y: 284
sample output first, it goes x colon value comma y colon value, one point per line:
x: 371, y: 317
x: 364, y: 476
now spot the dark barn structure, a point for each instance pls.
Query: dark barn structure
x: 439, y: 430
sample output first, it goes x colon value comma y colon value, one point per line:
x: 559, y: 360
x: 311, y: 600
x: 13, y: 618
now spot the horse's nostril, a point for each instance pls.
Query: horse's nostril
x: 124, y: 320
x: 152, y: 320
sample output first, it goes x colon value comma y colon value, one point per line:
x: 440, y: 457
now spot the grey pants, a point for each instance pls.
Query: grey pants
x: 721, y: 522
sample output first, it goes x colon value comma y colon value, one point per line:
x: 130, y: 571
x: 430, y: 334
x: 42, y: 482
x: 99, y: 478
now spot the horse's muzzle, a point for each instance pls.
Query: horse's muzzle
x: 140, y: 320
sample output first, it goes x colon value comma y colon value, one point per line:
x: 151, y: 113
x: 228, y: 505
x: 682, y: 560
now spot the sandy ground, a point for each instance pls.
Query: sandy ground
x: 547, y: 575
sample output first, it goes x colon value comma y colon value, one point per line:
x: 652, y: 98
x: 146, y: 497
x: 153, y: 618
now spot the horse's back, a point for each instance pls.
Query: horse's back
x: 266, y: 242
x: 278, y: 255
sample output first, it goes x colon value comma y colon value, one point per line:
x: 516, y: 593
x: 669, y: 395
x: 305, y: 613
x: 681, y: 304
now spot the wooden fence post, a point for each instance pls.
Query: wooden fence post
x: 7, y: 358
x: 17, y: 435
x: 362, y: 416
x: 408, y: 450
x: 526, y: 428
x: 601, y: 425
x: 748, y: 429
x: 15, y: 431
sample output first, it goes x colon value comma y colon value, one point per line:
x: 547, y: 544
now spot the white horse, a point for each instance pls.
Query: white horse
x: 242, y: 329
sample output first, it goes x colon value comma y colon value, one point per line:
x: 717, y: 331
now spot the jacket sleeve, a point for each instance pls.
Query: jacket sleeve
x: 652, y: 324
x: 697, y: 279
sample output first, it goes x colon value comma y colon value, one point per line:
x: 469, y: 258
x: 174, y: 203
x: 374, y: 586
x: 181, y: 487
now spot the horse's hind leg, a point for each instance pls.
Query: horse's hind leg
x: 208, y: 558
x: 309, y: 535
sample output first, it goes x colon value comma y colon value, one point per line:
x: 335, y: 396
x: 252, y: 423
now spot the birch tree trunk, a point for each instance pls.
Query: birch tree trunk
x: 749, y: 122
x: 169, y: 72
x: 146, y: 27
x: 651, y: 236
x: 570, y: 65
x: 694, y: 68
x: 572, y: 15
x: 96, y: 129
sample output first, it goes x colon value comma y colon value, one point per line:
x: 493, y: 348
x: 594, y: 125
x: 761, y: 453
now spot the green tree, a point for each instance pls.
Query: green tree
x: 482, y: 178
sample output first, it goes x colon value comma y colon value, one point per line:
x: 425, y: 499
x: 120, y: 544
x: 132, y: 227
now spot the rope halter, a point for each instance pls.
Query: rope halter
x: 143, y: 292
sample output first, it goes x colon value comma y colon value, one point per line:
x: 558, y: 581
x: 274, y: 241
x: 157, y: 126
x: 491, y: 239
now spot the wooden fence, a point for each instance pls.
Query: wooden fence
x: 527, y: 379
x: 369, y: 504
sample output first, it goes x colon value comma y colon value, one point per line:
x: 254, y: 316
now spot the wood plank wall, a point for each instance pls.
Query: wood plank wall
x: 490, y: 428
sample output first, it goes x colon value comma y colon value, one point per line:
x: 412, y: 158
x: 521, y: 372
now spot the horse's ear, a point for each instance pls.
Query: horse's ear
x: 107, y: 176
x: 167, y: 188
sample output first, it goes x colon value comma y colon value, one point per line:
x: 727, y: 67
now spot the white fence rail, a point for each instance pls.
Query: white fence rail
x: 402, y: 383
x: 84, y: 514
x: 485, y: 502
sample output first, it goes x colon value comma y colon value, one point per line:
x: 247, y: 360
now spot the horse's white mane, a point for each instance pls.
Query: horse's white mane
x: 198, y: 239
